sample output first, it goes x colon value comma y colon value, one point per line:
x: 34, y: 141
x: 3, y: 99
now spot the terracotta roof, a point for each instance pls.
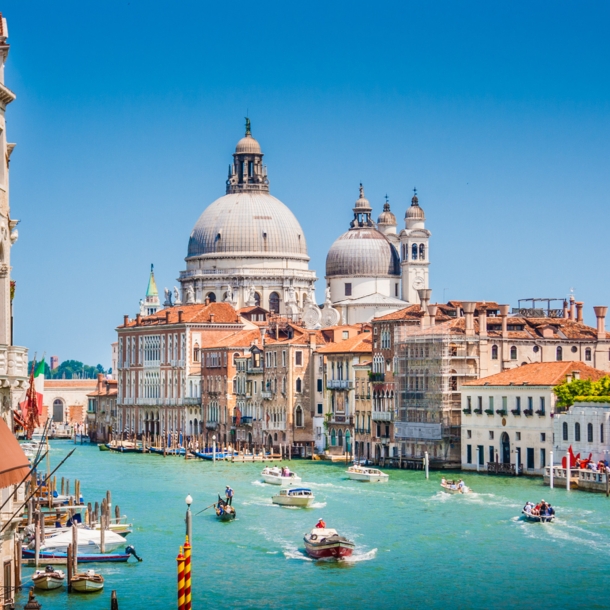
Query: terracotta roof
x: 242, y: 338
x: 50, y: 384
x: 109, y: 387
x: 194, y: 314
x: 361, y: 344
x: 539, y: 374
x: 413, y: 313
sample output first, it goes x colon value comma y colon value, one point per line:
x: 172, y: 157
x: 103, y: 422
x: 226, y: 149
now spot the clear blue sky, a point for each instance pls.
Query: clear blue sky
x: 128, y: 111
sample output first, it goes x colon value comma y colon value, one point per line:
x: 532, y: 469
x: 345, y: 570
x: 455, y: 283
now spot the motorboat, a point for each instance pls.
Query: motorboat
x: 364, y: 473
x: 280, y: 476
x: 453, y: 487
x: 58, y: 556
x: 294, y: 496
x: 88, y: 540
x: 48, y: 579
x: 326, y: 542
x: 530, y: 514
x: 87, y: 582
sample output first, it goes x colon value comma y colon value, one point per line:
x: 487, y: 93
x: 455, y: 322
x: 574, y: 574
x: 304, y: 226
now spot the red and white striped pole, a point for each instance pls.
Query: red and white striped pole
x: 180, y: 561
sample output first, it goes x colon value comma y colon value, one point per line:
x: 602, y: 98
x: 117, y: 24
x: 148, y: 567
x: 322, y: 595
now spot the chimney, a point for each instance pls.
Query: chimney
x: 125, y: 320
x: 207, y: 300
x: 600, y: 314
x: 565, y: 309
x: 579, y: 306
x: 180, y: 316
x: 575, y: 374
x: 483, y: 322
x: 138, y: 319
x: 100, y: 379
x: 503, y: 314
x: 312, y: 341
x: 212, y: 318
x: 432, y: 313
x: 167, y: 317
x: 469, y: 307
x: 572, y: 315
x: 424, y: 299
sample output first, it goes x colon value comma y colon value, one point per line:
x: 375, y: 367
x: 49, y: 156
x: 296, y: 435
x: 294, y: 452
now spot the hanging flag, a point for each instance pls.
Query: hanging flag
x: 237, y: 416
x: 31, y: 407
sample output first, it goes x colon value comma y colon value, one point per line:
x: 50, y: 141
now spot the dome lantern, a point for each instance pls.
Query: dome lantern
x: 247, y: 172
x: 362, y: 211
x: 386, y: 222
x: 414, y: 217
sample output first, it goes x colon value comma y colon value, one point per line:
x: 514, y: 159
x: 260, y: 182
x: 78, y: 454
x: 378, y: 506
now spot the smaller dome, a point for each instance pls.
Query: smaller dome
x: 386, y: 217
x: 362, y: 203
x: 248, y: 145
x: 415, y: 212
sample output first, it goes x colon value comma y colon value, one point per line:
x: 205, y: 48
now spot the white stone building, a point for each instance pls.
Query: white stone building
x: 507, y: 421
x: 248, y: 248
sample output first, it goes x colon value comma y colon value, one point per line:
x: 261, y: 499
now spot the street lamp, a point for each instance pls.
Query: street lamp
x: 189, y: 517
x: 214, y: 448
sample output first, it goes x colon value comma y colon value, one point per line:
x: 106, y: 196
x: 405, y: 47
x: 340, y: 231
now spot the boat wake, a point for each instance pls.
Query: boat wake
x: 317, y: 505
x: 355, y: 558
x: 259, y: 483
x: 295, y: 553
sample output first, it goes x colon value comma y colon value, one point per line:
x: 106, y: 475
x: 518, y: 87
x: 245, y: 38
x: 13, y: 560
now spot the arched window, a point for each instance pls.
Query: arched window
x: 589, y: 433
x: 212, y: 297
x: 299, y: 417
x: 414, y: 252
x: 196, y: 352
x: 58, y: 410
x: 274, y: 302
x: 513, y: 352
x: 333, y: 438
x: 588, y: 354
x: 565, y: 431
x: 494, y: 352
x: 340, y: 438
x: 299, y: 384
x: 559, y: 353
x: 577, y: 432
x: 422, y: 252
x: 257, y: 299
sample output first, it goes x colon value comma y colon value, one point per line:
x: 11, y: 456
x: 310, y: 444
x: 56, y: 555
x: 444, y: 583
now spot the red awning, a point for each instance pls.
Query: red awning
x: 14, y: 465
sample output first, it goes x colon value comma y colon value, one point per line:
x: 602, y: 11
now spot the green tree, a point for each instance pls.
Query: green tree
x: 568, y: 392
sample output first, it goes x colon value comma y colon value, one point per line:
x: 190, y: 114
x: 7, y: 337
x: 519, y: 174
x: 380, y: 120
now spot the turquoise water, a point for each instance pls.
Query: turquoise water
x: 416, y: 546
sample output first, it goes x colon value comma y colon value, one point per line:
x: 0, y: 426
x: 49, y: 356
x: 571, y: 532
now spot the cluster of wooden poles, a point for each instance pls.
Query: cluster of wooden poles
x: 184, y: 576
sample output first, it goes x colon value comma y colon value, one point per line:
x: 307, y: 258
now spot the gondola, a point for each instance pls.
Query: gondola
x: 224, y: 512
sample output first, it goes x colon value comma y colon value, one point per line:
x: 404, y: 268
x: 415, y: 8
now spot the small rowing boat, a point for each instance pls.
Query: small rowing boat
x: 87, y: 582
x: 368, y: 475
x: 326, y: 542
x: 48, y: 579
x: 294, y: 496
x: 224, y: 511
x: 455, y: 487
x: 280, y: 476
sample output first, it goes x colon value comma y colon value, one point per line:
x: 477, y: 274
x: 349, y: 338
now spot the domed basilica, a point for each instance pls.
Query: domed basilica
x: 248, y: 248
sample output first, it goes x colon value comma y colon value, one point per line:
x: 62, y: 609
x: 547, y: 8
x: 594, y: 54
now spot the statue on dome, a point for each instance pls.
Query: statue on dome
x: 248, y: 131
x: 229, y: 295
x: 168, y: 298
x: 328, y: 299
x: 251, y: 302
x: 189, y: 295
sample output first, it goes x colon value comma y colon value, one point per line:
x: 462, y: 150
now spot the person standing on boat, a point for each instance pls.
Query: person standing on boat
x: 229, y: 494
x: 321, y: 524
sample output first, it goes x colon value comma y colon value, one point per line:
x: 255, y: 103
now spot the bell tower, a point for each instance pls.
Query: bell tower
x: 414, y: 252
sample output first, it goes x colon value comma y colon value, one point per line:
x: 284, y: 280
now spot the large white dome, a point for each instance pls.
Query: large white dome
x: 248, y: 224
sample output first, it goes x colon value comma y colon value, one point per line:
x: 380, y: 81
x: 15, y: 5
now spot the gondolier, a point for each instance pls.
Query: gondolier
x: 229, y: 495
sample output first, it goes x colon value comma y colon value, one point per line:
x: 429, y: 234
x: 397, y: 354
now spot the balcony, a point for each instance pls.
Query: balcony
x: 246, y: 420
x: 13, y: 361
x: 190, y: 400
x: 255, y: 371
x: 382, y: 416
x: 376, y: 377
x: 502, y: 412
x: 339, y: 384
x: 267, y: 395
x: 498, y: 468
x: 211, y: 425
x: 177, y: 364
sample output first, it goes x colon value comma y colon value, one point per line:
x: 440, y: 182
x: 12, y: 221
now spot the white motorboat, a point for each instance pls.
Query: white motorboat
x: 88, y: 541
x: 280, y: 476
x: 364, y: 473
x: 87, y: 582
x: 455, y: 487
x: 295, y: 496
x: 48, y: 579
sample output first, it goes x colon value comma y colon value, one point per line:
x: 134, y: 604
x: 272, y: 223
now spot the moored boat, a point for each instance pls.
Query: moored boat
x: 294, y: 496
x: 103, y: 447
x: 326, y: 542
x: 58, y: 556
x: 280, y: 476
x: 88, y: 540
x: 455, y: 487
x: 48, y: 579
x: 366, y: 474
x: 87, y: 582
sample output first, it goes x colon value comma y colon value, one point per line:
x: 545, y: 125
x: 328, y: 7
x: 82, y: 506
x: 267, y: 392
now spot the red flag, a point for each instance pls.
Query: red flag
x: 237, y: 416
x: 31, y: 406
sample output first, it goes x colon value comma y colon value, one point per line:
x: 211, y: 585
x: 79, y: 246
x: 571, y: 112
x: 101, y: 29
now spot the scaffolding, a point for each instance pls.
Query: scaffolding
x: 432, y: 363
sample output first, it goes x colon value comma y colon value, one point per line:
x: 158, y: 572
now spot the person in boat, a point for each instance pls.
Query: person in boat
x: 528, y: 508
x: 550, y: 511
x: 461, y: 485
x: 219, y: 508
x: 321, y: 524
x: 229, y: 494
x: 443, y: 481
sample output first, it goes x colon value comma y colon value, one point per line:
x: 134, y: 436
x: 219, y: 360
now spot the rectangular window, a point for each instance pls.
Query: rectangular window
x: 542, y: 458
x: 504, y: 403
x: 530, y: 403
x: 481, y: 456
x: 543, y: 437
x: 469, y: 454
x: 275, y: 359
x: 348, y: 289
x: 319, y: 385
x: 601, y: 433
x: 480, y: 402
x: 491, y: 402
x: 517, y: 436
x: 396, y: 294
x: 346, y: 334
x: 283, y: 357
x: 542, y: 404
x: 518, y: 404
x: 468, y: 433
x: 530, y: 458
x: 298, y: 358
x: 491, y: 435
x: 491, y: 453
x: 469, y: 401
x: 319, y: 409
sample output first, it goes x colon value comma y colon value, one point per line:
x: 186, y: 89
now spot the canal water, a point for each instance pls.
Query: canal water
x: 416, y: 546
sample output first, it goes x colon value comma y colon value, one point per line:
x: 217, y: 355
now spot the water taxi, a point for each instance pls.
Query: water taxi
x: 48, y: 579
x: 280, y: 476
x: 87, y: 582
x: 326, y: 542
x: 542, y: 513
x: 454, y: 487
x: 369, y: 475
x: 295, y: 496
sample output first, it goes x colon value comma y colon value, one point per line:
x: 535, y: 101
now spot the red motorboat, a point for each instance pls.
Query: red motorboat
x: 326, y: 542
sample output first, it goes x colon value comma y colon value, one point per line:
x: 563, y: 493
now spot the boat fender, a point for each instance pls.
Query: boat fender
x: 131, y: 550
x: 313, y: 537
